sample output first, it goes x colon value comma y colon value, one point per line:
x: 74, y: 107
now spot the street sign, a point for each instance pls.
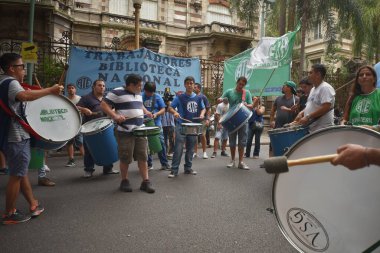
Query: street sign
x: 29, y: 52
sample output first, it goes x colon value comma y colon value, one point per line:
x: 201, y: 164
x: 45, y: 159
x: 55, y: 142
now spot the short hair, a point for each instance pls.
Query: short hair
x: 132, y: 79
x: 7, y: 59
x: 150, y: 86
x: 305, y: 81
x: 71, y: 84
x: 320, y: 68
x: 97, y: 80
x: 242, y: 78
x: 189, y: 78
x: 198, y: 85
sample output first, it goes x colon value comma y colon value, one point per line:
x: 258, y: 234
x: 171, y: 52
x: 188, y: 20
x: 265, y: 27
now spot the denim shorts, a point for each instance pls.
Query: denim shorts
x: 242, y: 133
x: 18, y: 157
x: 77, y: 140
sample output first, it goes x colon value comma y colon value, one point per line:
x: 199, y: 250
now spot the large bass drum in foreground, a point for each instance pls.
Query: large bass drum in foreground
x: 326, y: 208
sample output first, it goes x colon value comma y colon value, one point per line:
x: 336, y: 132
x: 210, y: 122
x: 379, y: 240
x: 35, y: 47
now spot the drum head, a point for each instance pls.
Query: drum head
x: 54, y: 118
x: 146, y: 128
x: 329, y: 208
x: 96, y: 125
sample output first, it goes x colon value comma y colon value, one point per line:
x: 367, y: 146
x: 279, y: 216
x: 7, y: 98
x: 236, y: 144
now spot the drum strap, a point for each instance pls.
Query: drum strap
x: 243, y: 96
x: 12, y: 114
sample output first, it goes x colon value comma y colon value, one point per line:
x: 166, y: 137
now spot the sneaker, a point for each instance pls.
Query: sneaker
x: 15, y: 218
x: 190, y: 172
x: 223, y: 153
x: 150, y: 167
x: 205, y: 156
x: 172, y: 175
x: 44, y: 181
x: 46, y: 168
x: 37, y: 211
x: 213, y: 155
x: 87, y: 174
x: 70, y: 163
x: 125, y: 186
x: 255, y: 157
x: 110, y: 172
x: 165, y: 167
x: 231, y: 164
x: 195, y: 155
x: 146, y: 186
x: 4, y: 171
x: 243, y: 166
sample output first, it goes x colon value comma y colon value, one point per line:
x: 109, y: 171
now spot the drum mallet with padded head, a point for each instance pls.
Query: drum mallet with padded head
x: 281, y: 164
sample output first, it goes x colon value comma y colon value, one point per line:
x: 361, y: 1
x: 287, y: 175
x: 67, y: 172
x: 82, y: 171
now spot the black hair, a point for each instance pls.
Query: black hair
x: 305, y: 81
x: 320, y: 68
x: 132, y: 79
x: 97, y: 80
x: 150, y: 86
x: 198, y: 85
x: 242, y: 78
x: 189, y: 78
x: 7, y: 59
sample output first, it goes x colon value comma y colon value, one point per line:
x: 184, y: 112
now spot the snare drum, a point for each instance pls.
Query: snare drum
x: 55, y: 119
x: 154, y: 142
x: 146, y: 131
x: 283, y: 138
x: 326, y: 208
x: 191, y: 129
x: 99, y: 137
x: 236, y: 117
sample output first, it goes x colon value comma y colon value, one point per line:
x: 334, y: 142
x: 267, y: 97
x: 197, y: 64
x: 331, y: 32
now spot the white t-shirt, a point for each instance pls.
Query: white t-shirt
x: 75, y: 99
x: 222, y: 109
x: 324, y: 93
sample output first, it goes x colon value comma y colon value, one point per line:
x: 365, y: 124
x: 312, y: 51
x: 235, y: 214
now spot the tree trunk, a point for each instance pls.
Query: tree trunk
x: 305, y: 9
x: 291, y: 17
x: 282, y: 20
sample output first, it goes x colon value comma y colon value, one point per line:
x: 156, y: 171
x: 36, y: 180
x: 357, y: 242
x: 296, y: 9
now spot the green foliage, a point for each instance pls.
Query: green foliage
x: 49, y: 72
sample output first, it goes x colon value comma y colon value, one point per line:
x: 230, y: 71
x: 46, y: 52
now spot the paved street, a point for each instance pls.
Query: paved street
x: 218, y: 210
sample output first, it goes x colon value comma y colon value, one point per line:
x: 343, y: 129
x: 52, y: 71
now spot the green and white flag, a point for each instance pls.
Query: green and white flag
x: 273, y: 52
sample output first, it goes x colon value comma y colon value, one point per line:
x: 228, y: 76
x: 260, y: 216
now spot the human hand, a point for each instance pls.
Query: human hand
x: 352, y: 156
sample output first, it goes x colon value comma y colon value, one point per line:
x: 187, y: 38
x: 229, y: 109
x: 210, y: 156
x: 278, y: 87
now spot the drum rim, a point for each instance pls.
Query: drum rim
x: 287, y: 129
x: 141, y: 132
x: 98, y: 130
x: 71, y: 104
x: 235, y: 108
x: 288, y: 153
x: 191, y: 124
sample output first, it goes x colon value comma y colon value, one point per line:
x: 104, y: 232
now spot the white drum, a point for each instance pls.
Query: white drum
x: 55, y: 119
x: 326, y: 208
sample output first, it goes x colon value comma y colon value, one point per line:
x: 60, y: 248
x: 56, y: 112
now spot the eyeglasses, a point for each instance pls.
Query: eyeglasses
x: 19, y: 65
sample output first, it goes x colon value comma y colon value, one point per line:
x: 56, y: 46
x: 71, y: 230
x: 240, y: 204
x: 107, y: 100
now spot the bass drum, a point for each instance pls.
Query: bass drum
x: 326, y: 208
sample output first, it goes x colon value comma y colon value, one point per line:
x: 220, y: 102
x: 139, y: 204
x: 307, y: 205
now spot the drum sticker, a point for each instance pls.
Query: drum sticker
x: 308, y: 230
x: 50, y: 115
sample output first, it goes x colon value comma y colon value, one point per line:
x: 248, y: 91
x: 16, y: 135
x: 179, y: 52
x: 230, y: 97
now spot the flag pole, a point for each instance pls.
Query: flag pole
x: 271, y: 74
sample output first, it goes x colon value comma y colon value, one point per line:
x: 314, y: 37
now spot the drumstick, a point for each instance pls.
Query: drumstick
x: 185, y: 119
x: 281, y: 164
x: 63, y: 75
x: 36, y: 80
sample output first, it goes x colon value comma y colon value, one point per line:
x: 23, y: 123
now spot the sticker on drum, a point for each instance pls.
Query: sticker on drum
x: 54, y: 118
x: 326, y: 208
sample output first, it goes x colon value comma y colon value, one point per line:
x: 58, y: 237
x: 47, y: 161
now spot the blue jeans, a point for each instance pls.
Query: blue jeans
x: 89, y: 163
x: 161, y: 154
x: 180, y: 140
x: 253, y: 131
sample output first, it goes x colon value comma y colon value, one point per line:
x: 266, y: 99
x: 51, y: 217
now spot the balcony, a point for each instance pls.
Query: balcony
x: 219, y: 28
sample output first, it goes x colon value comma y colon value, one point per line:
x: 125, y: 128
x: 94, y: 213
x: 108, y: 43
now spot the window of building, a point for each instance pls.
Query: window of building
x: 218, y: 13
x: 149, y: 10
x: 315, y: 61
x: 318, y: 32
x: 119, y: 7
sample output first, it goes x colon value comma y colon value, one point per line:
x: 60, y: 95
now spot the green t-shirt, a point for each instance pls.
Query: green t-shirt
x: 365, y: 109
x: 234, y: 97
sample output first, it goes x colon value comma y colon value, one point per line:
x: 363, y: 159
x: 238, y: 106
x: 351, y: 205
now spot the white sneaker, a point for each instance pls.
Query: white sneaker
x: 195, y: 155
x: 150, y: 167
x: 243, y: 166
x: 256, y: 157
x: 205, y: 156
x: 87, y: 174
x: 231, y: 164
x: 46, y: 168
